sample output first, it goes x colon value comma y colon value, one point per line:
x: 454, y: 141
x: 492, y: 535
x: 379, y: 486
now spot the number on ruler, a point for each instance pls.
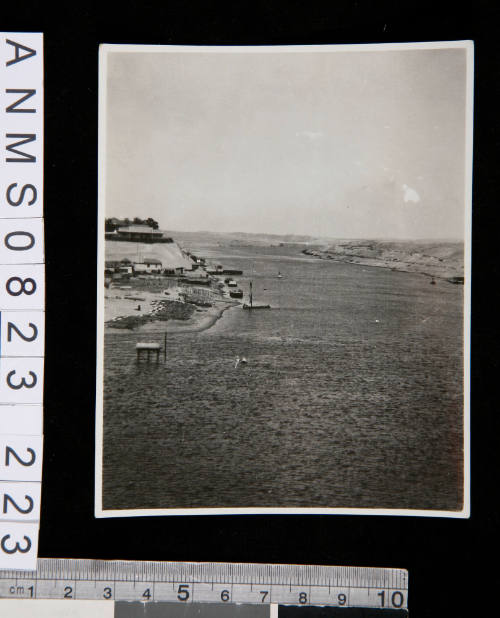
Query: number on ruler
x: 22, y: 241
x: 12, y: 327
x: 7, y: 499
x: 302, y: 598
x: 224, y: 596
x: 342, y: 598
x: 9, y: 450
x: 264, y: 594
x: 396, y: 599
x: 21, y: 334
x: 21, y: 379
x: 20, y: 460
x: 183, y: 592
x: 23, y: 382
x: 19, y: 247
x: 17, y: 547
x: 22, y: 286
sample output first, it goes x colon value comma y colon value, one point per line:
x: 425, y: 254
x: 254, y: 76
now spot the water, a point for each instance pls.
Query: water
x: 352, y: 396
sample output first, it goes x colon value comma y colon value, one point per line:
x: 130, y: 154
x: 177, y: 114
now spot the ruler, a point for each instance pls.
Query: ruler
x: 22, y: 296
x: 184, y: 583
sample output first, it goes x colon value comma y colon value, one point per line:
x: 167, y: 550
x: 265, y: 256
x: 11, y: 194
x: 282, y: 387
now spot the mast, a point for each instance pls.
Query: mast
x: 251, y: 296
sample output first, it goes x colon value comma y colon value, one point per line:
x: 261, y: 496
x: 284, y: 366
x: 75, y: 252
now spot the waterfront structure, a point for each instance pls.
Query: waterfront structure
x: 137, y: 233
x: 147, y: 265
x: 147, y: 349
x: 116, y: 269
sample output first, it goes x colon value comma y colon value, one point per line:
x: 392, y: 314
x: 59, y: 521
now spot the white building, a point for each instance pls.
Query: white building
x: 147, y: 265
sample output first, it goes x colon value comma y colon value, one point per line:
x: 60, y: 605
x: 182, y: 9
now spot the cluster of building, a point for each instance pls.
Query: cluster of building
x: 197, y: 261
x: 136, y: 233
x: 177, y: 262
x: 116, y: 269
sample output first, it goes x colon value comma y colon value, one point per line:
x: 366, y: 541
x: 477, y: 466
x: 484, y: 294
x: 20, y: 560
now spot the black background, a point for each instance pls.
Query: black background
x: 445, y: 557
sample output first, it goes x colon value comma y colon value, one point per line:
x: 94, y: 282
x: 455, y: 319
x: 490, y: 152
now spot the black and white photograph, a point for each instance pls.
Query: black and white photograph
x: 284, y: 279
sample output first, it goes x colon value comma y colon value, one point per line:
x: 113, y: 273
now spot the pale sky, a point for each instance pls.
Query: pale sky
x: 340, y: 144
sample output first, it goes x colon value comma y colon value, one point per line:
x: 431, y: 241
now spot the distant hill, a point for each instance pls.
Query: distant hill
x: 253, y: 238
x: 442, y: 259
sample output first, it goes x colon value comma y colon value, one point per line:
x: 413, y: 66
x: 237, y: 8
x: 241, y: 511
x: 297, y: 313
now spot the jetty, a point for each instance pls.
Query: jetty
x: 223, y: 271
x: 149, y: 349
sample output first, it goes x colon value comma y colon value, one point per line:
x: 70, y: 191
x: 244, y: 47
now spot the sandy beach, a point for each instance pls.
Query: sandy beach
x: 200, y: 321
x: 123, y: 302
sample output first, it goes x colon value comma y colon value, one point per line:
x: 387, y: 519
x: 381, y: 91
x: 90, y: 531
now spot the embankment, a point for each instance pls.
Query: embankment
x: 169, y: 254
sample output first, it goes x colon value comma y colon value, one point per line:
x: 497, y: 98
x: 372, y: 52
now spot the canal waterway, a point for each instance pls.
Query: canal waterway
x: 352, y: 395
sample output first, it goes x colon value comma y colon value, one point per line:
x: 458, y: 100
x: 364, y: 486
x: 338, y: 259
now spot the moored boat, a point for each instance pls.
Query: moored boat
x: 251, y: 306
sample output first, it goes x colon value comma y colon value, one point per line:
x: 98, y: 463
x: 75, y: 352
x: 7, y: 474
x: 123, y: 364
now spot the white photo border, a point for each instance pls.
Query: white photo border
x: 104, y: 49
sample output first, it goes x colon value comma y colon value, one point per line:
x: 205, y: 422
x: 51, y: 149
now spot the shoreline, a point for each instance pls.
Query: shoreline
x: 198, y: 322
x: 206, y: 321
x: 394, y: 266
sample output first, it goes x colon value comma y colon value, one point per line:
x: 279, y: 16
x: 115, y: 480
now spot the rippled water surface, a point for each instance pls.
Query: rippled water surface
x: 352, y: 396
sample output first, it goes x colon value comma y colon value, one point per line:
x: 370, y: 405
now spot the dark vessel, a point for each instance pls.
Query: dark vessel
x: 236, y: 294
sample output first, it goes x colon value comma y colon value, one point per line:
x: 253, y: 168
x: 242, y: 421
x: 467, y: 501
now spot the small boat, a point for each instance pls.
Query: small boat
x: 280, y: 276
x: 251, y: 306
x: 236, y: 294
x: 232, y: 283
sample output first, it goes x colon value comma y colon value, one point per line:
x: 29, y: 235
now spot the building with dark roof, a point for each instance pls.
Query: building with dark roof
x: 137, y: 233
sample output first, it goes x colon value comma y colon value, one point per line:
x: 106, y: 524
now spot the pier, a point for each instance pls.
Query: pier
x: 151, y: 349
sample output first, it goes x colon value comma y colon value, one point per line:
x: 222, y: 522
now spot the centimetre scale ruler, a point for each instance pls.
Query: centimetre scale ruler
x: 185, y: 582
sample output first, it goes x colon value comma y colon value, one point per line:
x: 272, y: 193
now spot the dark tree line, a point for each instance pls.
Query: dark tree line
x: 112, y: 224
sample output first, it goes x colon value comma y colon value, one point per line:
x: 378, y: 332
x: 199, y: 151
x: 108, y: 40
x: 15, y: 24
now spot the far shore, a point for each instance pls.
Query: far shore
x: 437, y: 260
x: 401, y: 267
